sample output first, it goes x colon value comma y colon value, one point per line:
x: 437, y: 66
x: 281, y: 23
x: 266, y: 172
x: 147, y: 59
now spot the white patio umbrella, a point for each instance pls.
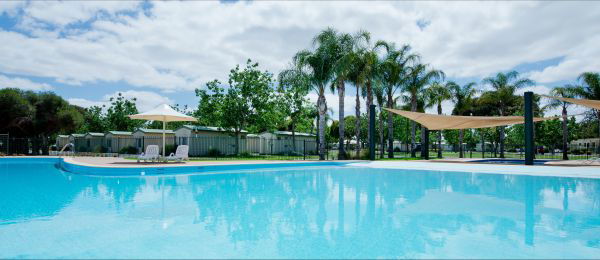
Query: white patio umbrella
x: 165, y: 114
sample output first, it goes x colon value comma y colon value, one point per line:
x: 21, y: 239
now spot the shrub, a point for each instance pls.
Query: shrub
x: 100, y: 149
x: 128, y: 150
x: 213, y: 152
x: 170, y: 148
x: 397, y: 150
x: 245, y: 154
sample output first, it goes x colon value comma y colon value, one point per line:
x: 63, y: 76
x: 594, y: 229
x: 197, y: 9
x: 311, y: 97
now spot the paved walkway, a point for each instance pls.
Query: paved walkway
x: 126, y: 163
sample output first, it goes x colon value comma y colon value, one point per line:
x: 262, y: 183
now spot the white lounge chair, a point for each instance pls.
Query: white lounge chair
x: 180, y: 154
x: 151, y: 154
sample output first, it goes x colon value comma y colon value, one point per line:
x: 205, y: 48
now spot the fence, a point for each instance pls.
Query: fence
x: 513, y: 151
x: 201, y: 147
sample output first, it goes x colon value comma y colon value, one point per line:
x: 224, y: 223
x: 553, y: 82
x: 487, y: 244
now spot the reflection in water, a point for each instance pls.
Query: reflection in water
x: 325, y: 213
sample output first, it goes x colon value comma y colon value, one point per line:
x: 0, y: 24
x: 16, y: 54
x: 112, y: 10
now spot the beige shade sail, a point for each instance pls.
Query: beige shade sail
x: 443, y: 122
x: 595, y: 104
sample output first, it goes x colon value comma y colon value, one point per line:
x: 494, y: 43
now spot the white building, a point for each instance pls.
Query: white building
x: 205, y: 140
x: 281, y: 142
x: 144, y: 137
x: 117, y: 140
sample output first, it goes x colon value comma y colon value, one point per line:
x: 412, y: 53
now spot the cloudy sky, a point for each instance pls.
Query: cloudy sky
x: 161, y: 51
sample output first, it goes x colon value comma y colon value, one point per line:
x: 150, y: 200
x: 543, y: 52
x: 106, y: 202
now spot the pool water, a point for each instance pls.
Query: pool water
x: 329, y: 212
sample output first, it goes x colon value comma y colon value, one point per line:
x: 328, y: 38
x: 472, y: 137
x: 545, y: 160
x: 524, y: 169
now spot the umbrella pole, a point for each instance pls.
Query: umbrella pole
x: 164, y: 129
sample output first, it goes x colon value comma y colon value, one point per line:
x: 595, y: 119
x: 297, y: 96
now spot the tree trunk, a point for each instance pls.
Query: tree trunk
x: 294, y: 136
x: 461, y: 136
x: 381, y: 138
x: 342, y: 123
x: 502, y: 128
x: 322, y: 110
x: 369, y: 103
x: 237, y: 141
x: 413, y: 126
x: 357, y: 148
x: 565, y: 137
x: 390, y: 125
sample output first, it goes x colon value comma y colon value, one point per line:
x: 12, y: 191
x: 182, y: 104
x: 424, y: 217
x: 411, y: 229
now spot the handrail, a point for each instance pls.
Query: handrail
x: 64, y: 147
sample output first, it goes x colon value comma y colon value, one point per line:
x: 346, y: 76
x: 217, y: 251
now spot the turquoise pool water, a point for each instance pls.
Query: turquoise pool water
x: 329, y: 212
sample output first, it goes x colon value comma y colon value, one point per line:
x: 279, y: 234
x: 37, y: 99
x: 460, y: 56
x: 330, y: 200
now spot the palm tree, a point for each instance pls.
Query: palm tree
x: 567, y: 91
x: 463, y: 101
x: 357, y: 80
x: 435, y: 94
x: 504, y: 86
x: 590, y: 89
x: 419, y: 76
x: 319, y: 64
x: 340, y: 47
x: 393, y: 72
x: 379, y: 93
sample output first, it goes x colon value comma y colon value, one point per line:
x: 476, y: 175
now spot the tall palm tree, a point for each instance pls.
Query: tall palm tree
x: 358, y: 81
x: 504, y: 86
x: 462, y: 96
x: 393, y: 72
x: 590, y: 89
x: 319, y: 64
x: 436, y: 94
x: 379, y: 93
x: 419, y: 76
x: 567, y: 91
x: 340, y: 47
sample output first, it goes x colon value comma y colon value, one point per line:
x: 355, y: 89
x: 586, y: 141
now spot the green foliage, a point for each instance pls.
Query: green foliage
x: 249, y: 102
x: 31, y: 114
x: 213, y: 152
x: 118, y: 111
x: 128, y: 150
x: 94, y: 120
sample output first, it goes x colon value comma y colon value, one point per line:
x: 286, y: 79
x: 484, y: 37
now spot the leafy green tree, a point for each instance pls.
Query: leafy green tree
x: 17, y: 112
x: 94, y: 120
x: 435, y: 95
x: 462, y: 96
x: 566, y: 91
x: 503, y: 97
x: 117, y: 114
x: 294, y: 85
x: 248, y: 102
x: 590, y: 89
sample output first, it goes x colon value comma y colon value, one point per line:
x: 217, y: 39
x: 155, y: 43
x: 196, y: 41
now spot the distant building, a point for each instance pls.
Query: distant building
x: 95, y: 142
x: 61, y: 141
x: 281, y: 142
x: 592, y: 144
x: 79, y: 142
x: 205, y: 139
x: 144, y: 137
x: 117, y: 140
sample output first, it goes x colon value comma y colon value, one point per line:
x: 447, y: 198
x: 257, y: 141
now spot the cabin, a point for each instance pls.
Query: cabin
x: 589, y: 144
x: 61, y: 141
x: 144, y: 137
x: 95, y: 142
x: 118, y: 140
x: 79, y: 142
x: 210, y: 140
x: 281, y: 142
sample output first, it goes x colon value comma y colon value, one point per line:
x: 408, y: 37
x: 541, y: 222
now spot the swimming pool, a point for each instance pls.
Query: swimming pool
x: 326, y: 212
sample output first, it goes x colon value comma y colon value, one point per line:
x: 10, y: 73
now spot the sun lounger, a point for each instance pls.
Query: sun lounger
x: 151, y: 154
x: 180, y: 154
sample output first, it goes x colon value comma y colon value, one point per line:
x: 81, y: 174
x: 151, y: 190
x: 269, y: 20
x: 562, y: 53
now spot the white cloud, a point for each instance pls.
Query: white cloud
x: 21, y: 83
x: 179, y: 46
x: 145, y: 100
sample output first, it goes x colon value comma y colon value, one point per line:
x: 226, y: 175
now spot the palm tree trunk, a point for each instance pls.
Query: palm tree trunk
x: 357, y: 148
x: 322, y: 110
x: 381, y: 138
x: 413, y: 126
x: 294, y: 136
x: 369, y: 103
x: 565, y: 136
x: 342, y: 123
x: 461, y: 136
x: 502, y: 128
x: 390, y: 103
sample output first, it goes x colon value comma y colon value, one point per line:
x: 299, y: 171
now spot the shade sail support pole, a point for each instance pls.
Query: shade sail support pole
x: 529, y: 141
